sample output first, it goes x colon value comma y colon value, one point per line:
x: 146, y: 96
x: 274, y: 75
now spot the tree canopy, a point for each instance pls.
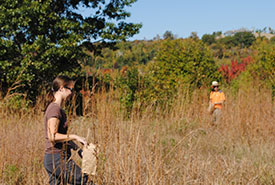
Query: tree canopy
x: 168, y: 35
x: 40, y: 39
x: 244, y: 39
x: 208, y: 39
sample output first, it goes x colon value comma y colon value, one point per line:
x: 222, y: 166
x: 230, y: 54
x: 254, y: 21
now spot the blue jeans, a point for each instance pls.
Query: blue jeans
x: 62, y: 170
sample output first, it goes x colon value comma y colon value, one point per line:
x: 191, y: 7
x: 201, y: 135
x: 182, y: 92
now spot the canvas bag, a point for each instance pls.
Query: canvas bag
x: 89, y: 160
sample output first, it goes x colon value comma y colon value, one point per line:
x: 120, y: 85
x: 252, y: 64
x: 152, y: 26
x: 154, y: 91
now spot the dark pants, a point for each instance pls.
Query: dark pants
x: 62, y: 171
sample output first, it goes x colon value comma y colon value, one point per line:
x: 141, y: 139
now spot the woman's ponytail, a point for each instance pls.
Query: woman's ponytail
x: 49, y: 99
x: 57, y: 83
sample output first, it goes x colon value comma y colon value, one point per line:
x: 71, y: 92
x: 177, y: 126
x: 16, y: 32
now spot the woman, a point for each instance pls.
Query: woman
x: 61, y: 169
x: 217, y: 99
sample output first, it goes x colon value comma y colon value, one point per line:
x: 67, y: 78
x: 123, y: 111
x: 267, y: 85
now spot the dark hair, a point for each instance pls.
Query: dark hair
x: 56, y: 84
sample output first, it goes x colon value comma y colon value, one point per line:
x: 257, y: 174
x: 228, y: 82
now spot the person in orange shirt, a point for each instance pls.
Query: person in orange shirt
x: 217, y: 99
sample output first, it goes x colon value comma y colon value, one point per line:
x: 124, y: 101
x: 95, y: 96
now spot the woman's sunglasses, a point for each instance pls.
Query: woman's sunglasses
x: 71, y: 89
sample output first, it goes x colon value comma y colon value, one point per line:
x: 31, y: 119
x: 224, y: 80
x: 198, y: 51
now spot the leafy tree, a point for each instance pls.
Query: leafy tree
x: 228, y: 41
x: 132, y: 86
x: 169, y: 35
x: 272, y: 40
x: 181, y: 62
x: 128, y: 53
x: 208, y: 39
x: 194, y: 35
x: 40, y: 39
x: 264, y: 66
x: 244, y: 39
x: 217, y: 34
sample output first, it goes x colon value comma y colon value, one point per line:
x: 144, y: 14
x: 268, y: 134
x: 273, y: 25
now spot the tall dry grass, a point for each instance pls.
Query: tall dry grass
x: 175, y: 146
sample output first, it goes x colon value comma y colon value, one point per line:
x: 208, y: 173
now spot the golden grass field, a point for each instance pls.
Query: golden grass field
x: 177, y: 146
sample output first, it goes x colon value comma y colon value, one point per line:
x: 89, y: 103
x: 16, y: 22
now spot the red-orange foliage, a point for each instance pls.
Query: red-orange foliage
x: 235, y: 69
x: 105, y: 71
x: 123, y: 70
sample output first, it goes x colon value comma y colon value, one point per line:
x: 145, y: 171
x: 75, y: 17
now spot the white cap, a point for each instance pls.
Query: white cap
x: 215, y: 83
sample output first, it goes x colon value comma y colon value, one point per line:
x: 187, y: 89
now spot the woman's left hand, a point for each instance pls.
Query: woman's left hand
x: 82, y: 140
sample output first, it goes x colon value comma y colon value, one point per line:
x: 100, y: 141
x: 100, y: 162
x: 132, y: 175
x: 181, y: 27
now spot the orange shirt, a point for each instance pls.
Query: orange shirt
x: 217, y: 97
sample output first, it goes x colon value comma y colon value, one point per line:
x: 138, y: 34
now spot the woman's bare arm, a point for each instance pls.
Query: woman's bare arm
x: 54, y: 136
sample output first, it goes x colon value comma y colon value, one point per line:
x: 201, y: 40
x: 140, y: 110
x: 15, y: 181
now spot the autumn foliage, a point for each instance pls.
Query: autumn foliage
x: 230, y: 72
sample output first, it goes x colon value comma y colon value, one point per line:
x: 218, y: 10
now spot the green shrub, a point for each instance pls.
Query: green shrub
x: 179, y: 63
x: 132, y: 86
x: 263, y: 68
